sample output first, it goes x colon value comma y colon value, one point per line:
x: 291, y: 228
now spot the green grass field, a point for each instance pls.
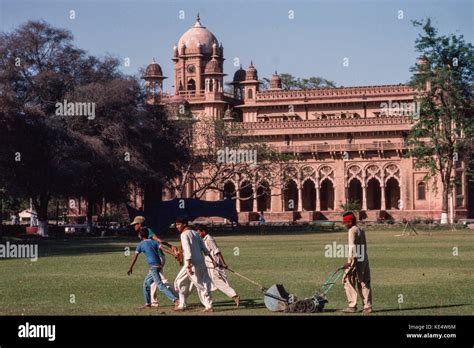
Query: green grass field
x: 421, y: 268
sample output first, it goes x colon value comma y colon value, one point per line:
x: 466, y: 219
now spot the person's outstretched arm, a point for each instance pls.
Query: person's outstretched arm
x: 134, y: 259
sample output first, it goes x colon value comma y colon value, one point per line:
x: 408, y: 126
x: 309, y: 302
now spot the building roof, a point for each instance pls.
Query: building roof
x: 197, y: 39
x: 251, y: 73
x: 212, y: 67
x: 239, y: 75
x: 153, y: 70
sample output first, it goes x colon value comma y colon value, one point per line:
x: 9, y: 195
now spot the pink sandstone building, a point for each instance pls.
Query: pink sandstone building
x: 350, y: 140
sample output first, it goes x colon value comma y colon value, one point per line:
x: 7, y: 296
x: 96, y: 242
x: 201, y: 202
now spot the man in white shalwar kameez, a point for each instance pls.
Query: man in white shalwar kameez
x: 217, y: 274
x: 194, y: 271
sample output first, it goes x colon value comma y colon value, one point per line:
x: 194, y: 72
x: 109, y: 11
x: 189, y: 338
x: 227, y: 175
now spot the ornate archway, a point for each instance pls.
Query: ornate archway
x: 392, y: 194
x: 326, y: 195
x: 246, y: 196
x: 309, y: 195
x: 354, y: 192
x: 290, y: 194
x: 374, y: 194
x: 264, y: 196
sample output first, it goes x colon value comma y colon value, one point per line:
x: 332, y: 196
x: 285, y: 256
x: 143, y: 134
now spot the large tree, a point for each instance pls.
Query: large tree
x: 45, y: 155
x: 443, y: 129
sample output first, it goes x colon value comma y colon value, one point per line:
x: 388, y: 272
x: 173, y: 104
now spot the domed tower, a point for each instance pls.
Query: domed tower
x: 195, y: 49
x: 251, y: 83
x: 239, y: 77
x: 213, y: 78
x: 153, y: 82
x: 275, y: 82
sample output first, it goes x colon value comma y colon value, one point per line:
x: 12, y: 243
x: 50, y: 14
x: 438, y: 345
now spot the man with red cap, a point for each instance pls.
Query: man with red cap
x: 357, y: 271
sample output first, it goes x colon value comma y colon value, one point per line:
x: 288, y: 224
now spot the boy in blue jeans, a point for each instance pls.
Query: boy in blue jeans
x: 152, y: 250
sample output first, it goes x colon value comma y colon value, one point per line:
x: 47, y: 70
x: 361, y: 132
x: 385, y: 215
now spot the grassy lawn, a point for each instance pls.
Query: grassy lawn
x: 422, y: 268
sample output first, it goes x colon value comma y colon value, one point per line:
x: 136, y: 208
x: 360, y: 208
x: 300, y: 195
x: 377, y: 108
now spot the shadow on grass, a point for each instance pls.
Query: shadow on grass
x: 244, y: 304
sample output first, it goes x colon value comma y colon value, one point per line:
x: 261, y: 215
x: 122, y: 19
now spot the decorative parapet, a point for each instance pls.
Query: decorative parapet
x: 373, y: 121
x: 341, y: 92
x: 376, y: 146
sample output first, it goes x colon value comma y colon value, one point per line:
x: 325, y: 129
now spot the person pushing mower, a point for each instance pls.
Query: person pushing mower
x: 357, y: 271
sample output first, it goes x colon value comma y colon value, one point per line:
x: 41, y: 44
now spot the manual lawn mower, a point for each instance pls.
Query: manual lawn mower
x: 277, y: 299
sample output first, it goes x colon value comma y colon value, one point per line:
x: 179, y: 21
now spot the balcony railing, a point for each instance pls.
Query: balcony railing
x: 378, y: 146
x: 335, y: 92
x: 373, y: 121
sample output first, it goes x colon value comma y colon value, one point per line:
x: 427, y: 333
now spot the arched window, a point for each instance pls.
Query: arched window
x: 421, y: 191
x: 191, y: 85
x: 250, y: 94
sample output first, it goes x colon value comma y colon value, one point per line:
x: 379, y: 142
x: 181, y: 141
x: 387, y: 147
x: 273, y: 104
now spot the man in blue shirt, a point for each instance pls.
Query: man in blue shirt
x: 152, y: 250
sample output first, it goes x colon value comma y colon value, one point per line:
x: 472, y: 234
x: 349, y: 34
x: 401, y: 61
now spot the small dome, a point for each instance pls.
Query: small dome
x: 212, y: 67
x: 275, y: 82
x: 198, y: 39
x: 251, y: 73
x: 239, y: 75
x: 153, y: 70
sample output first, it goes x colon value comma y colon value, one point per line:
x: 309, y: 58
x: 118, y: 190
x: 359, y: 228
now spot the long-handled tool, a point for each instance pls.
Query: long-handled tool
x: 247, y: 279
x: 330, y: 281
x: 317, y: 302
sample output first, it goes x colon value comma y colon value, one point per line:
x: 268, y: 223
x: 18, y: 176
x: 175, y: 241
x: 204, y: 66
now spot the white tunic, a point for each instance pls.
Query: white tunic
x: 217, y: 275
x: 193, y: 248
x: 211, y: 245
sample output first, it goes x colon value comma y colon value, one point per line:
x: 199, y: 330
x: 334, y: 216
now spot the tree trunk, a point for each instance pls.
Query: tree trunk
x: 41, y: 207
x: 89, y: 213
x: 444, y: 206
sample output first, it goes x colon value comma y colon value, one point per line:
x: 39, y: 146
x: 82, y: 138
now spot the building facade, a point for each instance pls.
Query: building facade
x: 350, y: 140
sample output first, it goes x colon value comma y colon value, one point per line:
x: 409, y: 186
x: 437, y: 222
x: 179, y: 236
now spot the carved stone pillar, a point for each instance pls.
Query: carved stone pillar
x: 255, y: 205
x: 237, y: 203
x: 364, y: 198
x: 318, y: 198
x: 300, y: 197
x: 382, y: 200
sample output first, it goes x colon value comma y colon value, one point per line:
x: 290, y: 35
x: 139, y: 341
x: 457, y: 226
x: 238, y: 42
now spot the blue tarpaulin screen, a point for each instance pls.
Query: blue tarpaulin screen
x: 160, y: 215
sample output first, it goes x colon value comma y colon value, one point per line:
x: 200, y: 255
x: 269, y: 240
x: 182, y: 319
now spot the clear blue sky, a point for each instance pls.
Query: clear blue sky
x: 379, y: 45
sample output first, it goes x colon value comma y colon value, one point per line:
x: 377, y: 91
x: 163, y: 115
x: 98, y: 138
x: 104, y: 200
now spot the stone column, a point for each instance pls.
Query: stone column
x: 318, y: 198
x: 300, y: 197
x: 255, y: 206
x: 364, y: 197
x: 275, y: 204
x: 237, y: 203
x: 282, y: 198
x: 382, y: 200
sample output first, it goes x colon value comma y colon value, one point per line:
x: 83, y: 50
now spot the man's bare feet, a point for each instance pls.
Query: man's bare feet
x: 176, y: 307
x: 208, y: 310
x: 155, y: 305
x: 236, y: 300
